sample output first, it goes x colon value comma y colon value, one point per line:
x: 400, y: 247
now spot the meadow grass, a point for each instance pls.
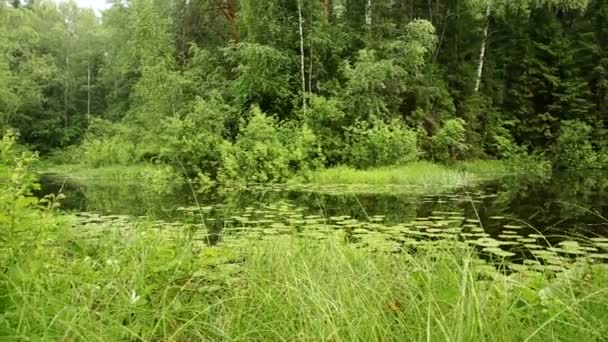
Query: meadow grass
x: 106, y: 173
x: 422, y: 174
x: 144, y: 173
x: 486, y: 169
x: 137, y: 283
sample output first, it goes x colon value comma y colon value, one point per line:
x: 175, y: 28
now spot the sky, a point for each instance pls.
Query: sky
x: 95, y: 4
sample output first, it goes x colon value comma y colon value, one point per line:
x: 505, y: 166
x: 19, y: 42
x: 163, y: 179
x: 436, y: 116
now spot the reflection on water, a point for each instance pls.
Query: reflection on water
x: 498, y: 217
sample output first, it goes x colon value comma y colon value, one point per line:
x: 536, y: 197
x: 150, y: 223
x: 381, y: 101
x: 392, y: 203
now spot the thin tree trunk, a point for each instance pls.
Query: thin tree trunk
x: 442, y: 36
x: 368, y: 14
x: 65, y: 90
x: 89, y: 80
x: 302, y: 65
x: 311, y: 54
x: 482, y: 52
x: 230, y: 12
x: 326, y: 7
x: 88, y: 92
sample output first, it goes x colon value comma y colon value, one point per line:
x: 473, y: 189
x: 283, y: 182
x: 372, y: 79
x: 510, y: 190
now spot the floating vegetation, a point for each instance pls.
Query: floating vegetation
x: 444, y: 217
x: 498, y: 252
x: 487, y: 242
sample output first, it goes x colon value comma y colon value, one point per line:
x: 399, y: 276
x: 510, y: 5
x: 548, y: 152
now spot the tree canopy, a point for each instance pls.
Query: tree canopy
x: 511, y: 74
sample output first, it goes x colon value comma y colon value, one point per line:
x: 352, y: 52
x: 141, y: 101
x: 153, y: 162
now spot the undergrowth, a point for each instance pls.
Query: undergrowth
x: 110, y: 282
x: 424, y: 174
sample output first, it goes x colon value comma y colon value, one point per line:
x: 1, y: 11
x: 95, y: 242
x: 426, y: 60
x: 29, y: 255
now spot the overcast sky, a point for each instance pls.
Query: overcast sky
x: 95, y: 4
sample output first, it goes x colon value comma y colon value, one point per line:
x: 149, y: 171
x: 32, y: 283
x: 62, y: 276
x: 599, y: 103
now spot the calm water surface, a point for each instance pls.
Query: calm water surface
x: 506, y: 214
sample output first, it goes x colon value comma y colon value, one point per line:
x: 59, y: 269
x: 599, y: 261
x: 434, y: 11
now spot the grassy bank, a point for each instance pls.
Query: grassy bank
x: 426, y: 175
x: 422, y: 175
x: 107, y: 173
x: 130, y: 282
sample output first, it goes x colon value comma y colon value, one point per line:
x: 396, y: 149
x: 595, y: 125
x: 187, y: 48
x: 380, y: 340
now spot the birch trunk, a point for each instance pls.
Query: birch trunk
x: 66, y: 90
x: 482, y: 52
x: 88, y: 92
x: 368, y: 14
x: 302, y: 62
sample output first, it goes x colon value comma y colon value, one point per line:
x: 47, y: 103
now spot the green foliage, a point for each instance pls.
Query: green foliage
x: 326, y: 119
x: 106, y: 151
x: 261, y: 74
x: 411, y: 50
x: 305, y: 153
x: 161, y: 179
x: 183, y: 75
x: 258, y: 155
x: 449, y: 142
x: 20, y: 228
x: 19, y: 181
x: 194, y: 141
x: 373, y: 86
x: 381, y: 144
x: 157, y: 94
x: 107, y: 144
x: 573, y: 149
x: 415, y: 177
x: 266, y: 152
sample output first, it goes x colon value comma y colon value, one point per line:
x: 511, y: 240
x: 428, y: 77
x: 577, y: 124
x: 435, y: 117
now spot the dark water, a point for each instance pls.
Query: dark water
x: 527, y: 219
x: 564, y: 204
x: 538, y: 223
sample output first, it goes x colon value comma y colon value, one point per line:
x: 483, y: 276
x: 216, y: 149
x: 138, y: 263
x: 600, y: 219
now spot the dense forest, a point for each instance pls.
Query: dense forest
x: 304, y: 170
x: 262, y: 90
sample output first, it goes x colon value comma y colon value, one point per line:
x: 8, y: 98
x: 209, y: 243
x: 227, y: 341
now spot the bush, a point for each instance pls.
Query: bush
x: 194, y: 140
x: 107, y: 143
x: 266, y: 152
x: 502, y: 144
x: 161, y: 179
x: 381, y: 144
x: 449, y: 142
x: 573, y: 149
x: 258, y: 155
x: 305, y: 153
x: 107, y: 151
x: 326, y: 119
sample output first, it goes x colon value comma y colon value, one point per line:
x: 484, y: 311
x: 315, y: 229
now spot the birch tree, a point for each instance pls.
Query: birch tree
x: 302, y: 58
x: 498, y: 7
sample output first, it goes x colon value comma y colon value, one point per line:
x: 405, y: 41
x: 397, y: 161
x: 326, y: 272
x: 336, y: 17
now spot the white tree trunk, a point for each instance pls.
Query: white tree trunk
x: 66, y: 88
x: 368, y: 14
x: 482, y: 52
x: 302, y: 65
x: 88, y: 92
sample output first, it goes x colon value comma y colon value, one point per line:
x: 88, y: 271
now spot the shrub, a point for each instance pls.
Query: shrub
x: 258, y: 155
x: 305, y: 153
x: 573, y: 149
x: 107, y: 151
x: 267, y: 152
x: 107, y: 143
x: 161, y: 179
x: 326, y: 119
x: 194, y: 140
x: 382, y: 144
x: 449, y: 142
x: 502, y: 144
x: 373, y: 86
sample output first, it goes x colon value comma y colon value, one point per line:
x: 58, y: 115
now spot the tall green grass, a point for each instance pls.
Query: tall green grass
x: 328, y: 291
x: 423, y: 174
x: 130, y: 281
x: 135, y: 283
